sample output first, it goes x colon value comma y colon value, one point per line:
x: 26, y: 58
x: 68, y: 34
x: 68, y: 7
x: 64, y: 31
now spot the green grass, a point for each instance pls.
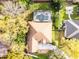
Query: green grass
x: 42, y: 56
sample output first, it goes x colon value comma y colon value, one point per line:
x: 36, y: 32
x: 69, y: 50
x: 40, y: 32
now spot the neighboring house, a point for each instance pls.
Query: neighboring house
x: 71, y: 29
x: 74, y: 1
x: 39, y: 33
x: 41, y: 0
x: 3, y: 50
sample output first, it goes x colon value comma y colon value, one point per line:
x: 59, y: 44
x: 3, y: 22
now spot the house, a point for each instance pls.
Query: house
x: 39, y: 33
x: 40, y: 30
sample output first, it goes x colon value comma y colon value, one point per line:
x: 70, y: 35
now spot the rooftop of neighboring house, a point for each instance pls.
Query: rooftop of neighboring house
x: 40, y: 0
x: 74, y: 1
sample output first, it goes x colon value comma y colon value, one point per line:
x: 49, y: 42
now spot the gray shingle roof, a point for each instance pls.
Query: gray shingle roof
x: 72, y: 29
x: 3, y: 50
